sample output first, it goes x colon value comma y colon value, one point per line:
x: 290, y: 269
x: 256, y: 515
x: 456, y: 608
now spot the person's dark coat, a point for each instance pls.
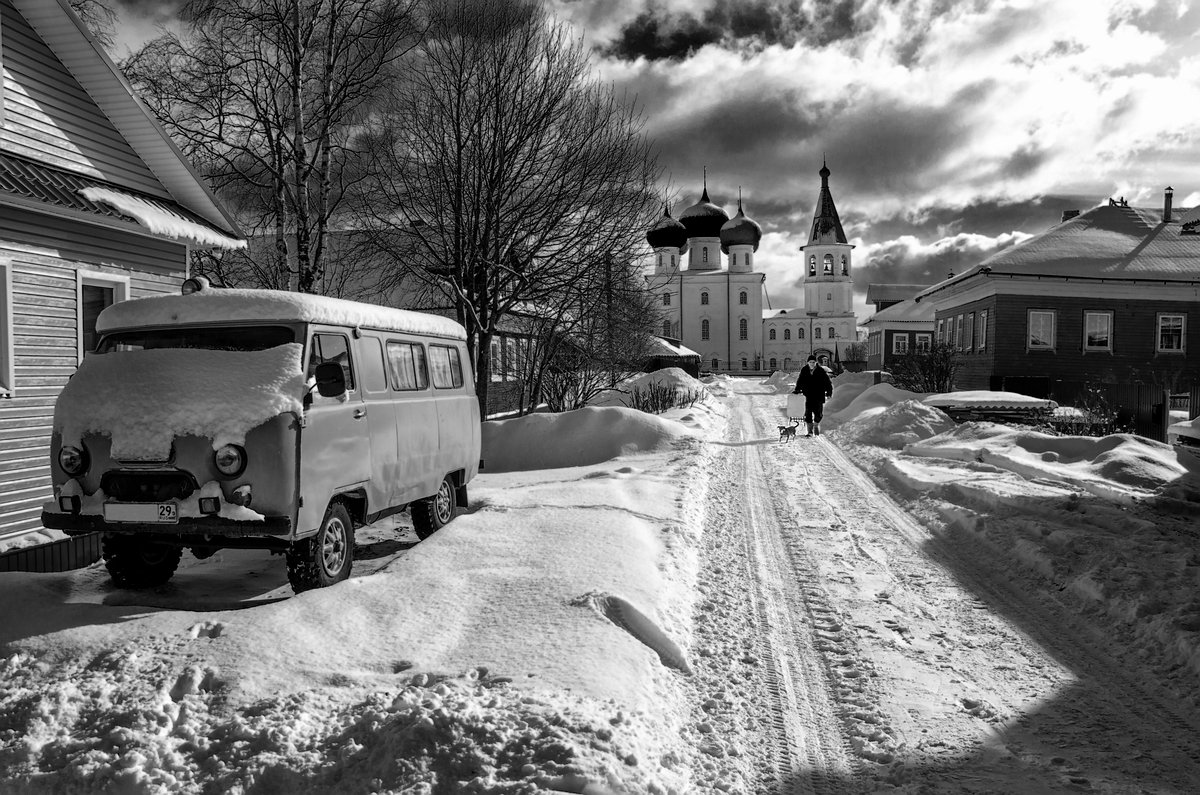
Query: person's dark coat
x: 813, y: 382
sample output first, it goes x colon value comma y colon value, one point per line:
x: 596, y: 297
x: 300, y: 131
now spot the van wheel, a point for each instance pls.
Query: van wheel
x: 138, y: 563
x: 325, y: 558
x: 432, y: 514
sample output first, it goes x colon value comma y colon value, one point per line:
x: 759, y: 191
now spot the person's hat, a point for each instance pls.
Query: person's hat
x: 812, y: 358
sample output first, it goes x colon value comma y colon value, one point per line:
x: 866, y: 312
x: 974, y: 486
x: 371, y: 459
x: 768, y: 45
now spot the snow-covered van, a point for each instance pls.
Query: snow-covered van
x: 260, y: 419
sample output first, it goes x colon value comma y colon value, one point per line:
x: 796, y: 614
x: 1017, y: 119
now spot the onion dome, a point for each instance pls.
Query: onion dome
x: 740, y: 231
x: 667, y: 233
x: 703, y: 219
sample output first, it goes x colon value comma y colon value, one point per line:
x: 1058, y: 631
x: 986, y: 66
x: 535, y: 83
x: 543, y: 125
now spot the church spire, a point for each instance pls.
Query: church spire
x: 827, y: 227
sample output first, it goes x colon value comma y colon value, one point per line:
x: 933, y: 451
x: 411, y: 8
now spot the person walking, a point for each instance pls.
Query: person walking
x: 813, y: 382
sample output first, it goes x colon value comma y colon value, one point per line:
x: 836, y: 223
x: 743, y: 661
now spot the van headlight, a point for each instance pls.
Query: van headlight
x: 230, y: 460
x: 73, y: 460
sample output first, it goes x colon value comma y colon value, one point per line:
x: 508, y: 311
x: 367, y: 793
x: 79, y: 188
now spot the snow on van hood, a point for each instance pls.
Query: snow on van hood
x: 142, y: 400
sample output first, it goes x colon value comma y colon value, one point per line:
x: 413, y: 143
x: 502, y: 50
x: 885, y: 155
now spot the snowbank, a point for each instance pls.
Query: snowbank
x: 574, y: 438
x: 895, y: 426
x: 144, y: 399
x: 876, y: 396
x: 673, y: 378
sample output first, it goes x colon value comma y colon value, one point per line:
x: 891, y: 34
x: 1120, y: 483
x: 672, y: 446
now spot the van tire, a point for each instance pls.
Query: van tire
x: 434, y: 513
x: 326, y: 557
x: 134, y: 562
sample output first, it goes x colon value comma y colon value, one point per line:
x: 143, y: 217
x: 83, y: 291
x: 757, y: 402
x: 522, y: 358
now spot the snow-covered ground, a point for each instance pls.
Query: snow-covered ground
x: 664, y: 603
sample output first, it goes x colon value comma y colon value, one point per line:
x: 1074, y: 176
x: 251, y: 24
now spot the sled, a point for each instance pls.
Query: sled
x: 795, y: 406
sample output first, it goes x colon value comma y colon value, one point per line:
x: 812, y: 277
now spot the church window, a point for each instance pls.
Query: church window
x: 771, y: 334
x: 832, y: 333
x: 817, y: 333
x: 742, y: 297
x: 787, y: 333
x: 705, y: 253
x: 812, y: 265
x: 773, y: 364
x: 666, y: 299
x: 662, y: 259
x: 715, y: 364
x: 666, y: 328
x: 704, y: 298
x: 799, y: 333
x: 743, y: 362
x: 743, y: 329
x: 828, y: 296
x: 704, y: 331
x: 828, y: 263
x: 845, y: 266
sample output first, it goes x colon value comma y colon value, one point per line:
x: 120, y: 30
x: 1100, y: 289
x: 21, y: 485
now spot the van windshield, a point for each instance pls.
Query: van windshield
x: 213, y: 338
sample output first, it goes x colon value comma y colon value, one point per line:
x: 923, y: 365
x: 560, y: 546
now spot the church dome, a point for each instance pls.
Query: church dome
x: 704, y: 219
x: 740, y: 231
x: 667, y: 233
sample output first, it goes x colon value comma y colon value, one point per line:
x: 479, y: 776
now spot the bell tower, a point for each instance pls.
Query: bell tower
x: 828, y: 286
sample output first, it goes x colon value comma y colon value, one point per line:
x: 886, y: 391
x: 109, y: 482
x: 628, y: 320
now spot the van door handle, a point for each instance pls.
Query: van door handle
x: 360, y: 413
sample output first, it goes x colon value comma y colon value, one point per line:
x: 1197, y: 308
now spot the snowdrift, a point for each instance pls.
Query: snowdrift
x: 575, y: 438
x: 897, y: 425
x: 670, y: 377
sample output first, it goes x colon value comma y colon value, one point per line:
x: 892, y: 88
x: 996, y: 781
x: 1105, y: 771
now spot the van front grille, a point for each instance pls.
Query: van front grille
x: 148, y: 486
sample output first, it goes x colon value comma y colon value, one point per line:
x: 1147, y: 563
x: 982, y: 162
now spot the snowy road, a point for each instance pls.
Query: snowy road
x: 848, y: 648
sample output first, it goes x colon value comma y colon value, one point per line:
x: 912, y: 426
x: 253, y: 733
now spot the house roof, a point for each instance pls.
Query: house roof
x: 665, y: 346
x: 82, y: 55
x: 904, y: 312
x: 1111, y: 242
x: 892, y: 292
x: 39, y: 182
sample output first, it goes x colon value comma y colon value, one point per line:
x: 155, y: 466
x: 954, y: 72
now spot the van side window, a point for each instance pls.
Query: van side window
x: 331, y: 348
x: 445, y: 366
x: 372, y: 366
x: 406, y: 360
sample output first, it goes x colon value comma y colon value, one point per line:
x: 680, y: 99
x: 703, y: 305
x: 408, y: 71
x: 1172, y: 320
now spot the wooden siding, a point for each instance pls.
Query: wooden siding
x: 44, y: 325
x: 49, y: 117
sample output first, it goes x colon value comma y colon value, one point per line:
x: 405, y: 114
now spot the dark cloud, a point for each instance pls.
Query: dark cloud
x: 153, y: 10
x: 657, y: 34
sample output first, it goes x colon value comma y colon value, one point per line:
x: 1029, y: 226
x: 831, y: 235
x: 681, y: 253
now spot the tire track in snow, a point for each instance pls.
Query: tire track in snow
x: 806, y: 748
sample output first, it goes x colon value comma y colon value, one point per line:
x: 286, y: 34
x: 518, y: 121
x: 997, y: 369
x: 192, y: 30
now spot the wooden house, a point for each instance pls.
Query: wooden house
x: 1107, y: 296
x: 896, y: 329
x: 96, y: 205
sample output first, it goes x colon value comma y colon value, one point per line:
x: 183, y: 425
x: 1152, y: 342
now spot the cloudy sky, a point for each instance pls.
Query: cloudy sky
x: 953, y: 128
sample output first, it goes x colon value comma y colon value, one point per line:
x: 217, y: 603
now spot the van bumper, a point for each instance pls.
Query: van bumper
x: 198, y: 527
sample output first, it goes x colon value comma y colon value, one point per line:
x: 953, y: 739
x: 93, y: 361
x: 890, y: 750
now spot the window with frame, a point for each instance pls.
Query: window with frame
x: 7, y: 384
x: 800, y: 333
x: 845, y: 266
x: 406, y: 362
x: 327, y: 347
x: 958, y: 332
x: 827, y: 263
x: 715, y: 364
x: 666, y: 328
x: 1041, y: 330
x: 743, y: 329
x: 787, y: 333
x: 1097, y: 331
x: 812, y: 265
x: 899, y: 343
x: 832, y: 333
x: 666, y: 299
x: 774, y: 364
x: 941, y: 330
x: 1171, y: 331
x: 445, y: 367
x: 95, y: 292
x: 771, y: 334
x: 704, y: 252
x: 983, y: 324
x: 924, y: 342
x: 745, y: 364
x: 742, y: 297
x: 495, y: 361
x: 817, y: 333
x: 704, y: 331
x: 704, y: 298
x: 969, y: 333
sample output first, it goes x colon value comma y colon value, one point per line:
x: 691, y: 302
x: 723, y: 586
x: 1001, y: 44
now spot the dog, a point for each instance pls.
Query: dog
x: 788, y: 432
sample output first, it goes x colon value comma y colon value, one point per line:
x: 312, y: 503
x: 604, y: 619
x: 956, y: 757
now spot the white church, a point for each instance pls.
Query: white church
x: 716, y: 308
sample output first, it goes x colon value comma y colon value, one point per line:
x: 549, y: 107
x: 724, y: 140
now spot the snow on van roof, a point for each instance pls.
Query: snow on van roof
x: 142, y: 400
x: 217, y: 304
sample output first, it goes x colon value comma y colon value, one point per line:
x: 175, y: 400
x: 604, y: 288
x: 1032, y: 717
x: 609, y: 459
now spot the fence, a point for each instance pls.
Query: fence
x: 1145, y: 408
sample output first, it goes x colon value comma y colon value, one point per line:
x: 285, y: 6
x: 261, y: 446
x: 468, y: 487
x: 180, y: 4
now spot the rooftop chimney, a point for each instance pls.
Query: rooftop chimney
x: 1069, y: 214
x: 1167, y: 194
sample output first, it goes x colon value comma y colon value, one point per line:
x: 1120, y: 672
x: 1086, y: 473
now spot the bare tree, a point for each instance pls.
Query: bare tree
x: 264, y: 96
x: 926, y: 371
x: 100, y: 18
x: 503, y: 172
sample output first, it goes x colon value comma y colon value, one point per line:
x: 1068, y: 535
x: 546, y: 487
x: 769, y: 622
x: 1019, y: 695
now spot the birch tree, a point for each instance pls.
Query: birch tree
x: 264, y: 96
x: 502, y: 171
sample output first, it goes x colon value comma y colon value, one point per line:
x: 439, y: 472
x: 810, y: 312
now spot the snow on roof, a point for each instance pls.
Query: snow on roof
x: 216, y: 305
x: 1111, y: 241
x: 1189, y: 428
x: 161, y: 220
x: 986, y: 399
x: 142, y: 400
x: 664, y: 346
x: 908, y: 311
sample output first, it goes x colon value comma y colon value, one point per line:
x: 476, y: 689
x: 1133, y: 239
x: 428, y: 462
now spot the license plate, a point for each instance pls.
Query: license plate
x: 145, y: 512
